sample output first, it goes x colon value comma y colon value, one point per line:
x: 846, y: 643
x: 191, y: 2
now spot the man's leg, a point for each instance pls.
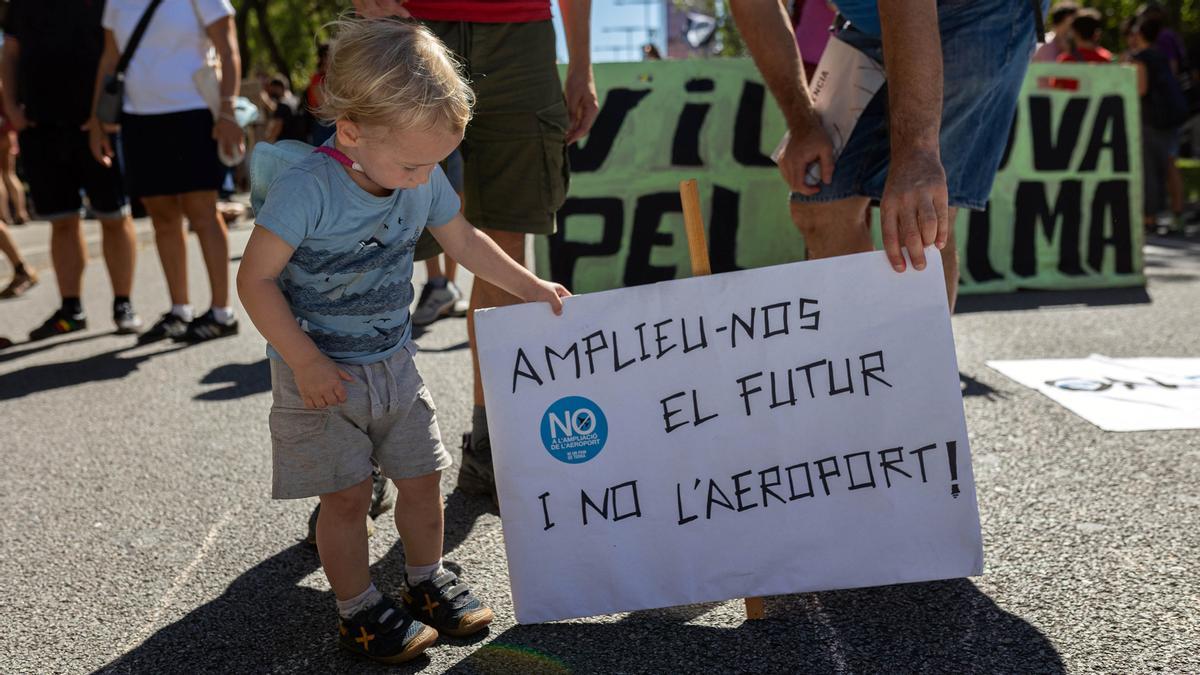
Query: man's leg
x: 834, y: 228
x: 485, y: 294
x: 120, y: 253
x: 201, y: 211
x: 68, y: 252
x: 166, y: 215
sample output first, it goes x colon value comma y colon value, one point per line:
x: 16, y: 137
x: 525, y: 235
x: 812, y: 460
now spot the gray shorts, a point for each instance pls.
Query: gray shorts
x: 388, y: 416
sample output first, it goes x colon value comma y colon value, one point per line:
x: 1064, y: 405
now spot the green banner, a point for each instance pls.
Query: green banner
x: 1065, y: 210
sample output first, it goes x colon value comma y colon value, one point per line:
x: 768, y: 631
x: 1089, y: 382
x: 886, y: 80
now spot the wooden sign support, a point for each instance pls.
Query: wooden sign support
x: 693, y: 220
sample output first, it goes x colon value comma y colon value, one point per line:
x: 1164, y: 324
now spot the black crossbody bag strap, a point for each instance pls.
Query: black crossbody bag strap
x: 136, y: 38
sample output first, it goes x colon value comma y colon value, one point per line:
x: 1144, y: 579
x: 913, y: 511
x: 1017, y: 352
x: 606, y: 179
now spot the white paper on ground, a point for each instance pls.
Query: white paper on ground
x: 1134, y: 394
x: 657, y: 532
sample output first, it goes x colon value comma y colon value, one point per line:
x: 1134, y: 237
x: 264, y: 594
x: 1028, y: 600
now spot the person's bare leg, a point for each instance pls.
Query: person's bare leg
x: 419, y: 519
x: 450, y: 268
x: 5, y: 212
x: 68, y: 253
x: 9, y: 247
x: 166, y: 214
x: 950, y: 262
x: 433, y: 267
x: 342, y: 540
x: 201, y: 211
x: 484, y: 294
x: 120, y: 253
x: 834, y: 228
x: 16, y: 190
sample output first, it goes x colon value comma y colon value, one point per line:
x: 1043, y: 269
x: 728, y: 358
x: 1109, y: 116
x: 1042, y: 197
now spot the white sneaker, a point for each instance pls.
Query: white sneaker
x: 435, y: 303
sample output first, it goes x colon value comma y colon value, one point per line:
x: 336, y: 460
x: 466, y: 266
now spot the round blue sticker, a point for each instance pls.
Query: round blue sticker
x: 574, y: 429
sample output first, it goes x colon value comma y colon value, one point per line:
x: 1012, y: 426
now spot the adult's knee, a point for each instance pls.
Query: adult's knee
x: 66, y: 225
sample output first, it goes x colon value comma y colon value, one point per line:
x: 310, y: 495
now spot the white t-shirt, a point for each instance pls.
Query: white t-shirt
x: 159, y: 78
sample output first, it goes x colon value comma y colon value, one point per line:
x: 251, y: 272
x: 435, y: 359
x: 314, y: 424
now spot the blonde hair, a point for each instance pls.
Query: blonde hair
x: 392, y: 73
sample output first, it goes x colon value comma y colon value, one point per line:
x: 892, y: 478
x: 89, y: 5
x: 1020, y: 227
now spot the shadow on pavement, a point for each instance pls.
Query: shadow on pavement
x: 1021, y: 300
x: 109, y: 365
x: 240, y: 380
x: 973, y: 387
x: 20, y: 349
x: 945, y: 626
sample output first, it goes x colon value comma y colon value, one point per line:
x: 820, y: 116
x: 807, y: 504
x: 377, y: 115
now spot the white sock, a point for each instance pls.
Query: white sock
x: 415, y: 574
x: 223, y: 315
x: 184, y: 312
x: 365, y: 600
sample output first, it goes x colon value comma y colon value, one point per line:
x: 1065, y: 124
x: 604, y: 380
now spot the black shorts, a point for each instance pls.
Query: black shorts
x: 170, y: 154
x: 58, y: 164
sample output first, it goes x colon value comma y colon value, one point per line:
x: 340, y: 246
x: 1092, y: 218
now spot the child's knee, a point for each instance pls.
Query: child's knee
x: 349, y: 504
x: 425, y: 489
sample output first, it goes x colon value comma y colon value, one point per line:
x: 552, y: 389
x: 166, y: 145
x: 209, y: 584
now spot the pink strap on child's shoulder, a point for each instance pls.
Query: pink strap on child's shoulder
x: 340, y: 157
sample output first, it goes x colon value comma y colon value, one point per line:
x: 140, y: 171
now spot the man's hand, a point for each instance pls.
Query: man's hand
x: 582, y: 103
x: 807, y: 144
x: 229, y: 136
x: 914, y: 209
x: 379, y: 9
x: 320, y: 383
x: 98, y: 141
x: 546, y: 291
x: 16, y: 117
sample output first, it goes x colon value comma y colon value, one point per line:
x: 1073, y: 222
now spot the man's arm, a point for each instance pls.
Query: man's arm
x: 914, y: 208
x: 765, y: 27
x: 223, y: 34
x: 580, y: 87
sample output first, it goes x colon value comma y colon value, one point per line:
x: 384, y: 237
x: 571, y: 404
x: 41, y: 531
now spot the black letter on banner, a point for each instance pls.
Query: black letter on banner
x: 589, y: 350
x: 564, y: 253
x: 722, y: 230
x: 617, y: 104
x: 734, y: 322
x: 870, y: 372
x: 573, y: 351
x: 685, y: 149
x: 1031, y: 206
x: 546, y: 511
x: 1012, y: 136
x: 637, y: 505
x: 738, y: 491
x: 920, y: 453
x: 815, y: 315
x: 766, y: 486
x: 669, y: 413
x: 1112, y: 196
x: 746, y: 392
x: 528, y: 373
x: 647, y: 216
x: 712, y: 486
x: 703, y: 336
x: 792, y: 495
x: 807, y: 368
x: 850, y: 470
x: 979, y: 234
x: 747, y: 128
x: 888, y: 465
x: 585, y: 501
x: 824, y: 475
x: 833, y: 390
x: 1109, y: 115
x: 1049, y: 155
x: 766, y: 311
x: 679, y: 503
x: 659, y: 338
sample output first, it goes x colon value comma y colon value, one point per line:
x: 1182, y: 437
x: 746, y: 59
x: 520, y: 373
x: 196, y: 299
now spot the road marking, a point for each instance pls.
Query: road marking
x: 177, y: 584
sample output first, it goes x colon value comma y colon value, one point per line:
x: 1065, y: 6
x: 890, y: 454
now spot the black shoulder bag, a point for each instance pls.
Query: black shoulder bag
x: 112, y: 93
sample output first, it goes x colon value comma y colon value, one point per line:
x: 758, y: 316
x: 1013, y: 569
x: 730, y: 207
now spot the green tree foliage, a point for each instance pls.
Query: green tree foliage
x: 281, y: 36
x: 1185, y: 18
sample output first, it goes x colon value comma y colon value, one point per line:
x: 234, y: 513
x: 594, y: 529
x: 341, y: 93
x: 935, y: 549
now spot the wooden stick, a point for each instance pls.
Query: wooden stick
x: 693, y: 221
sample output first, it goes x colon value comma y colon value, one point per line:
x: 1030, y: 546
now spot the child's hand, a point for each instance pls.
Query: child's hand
x: 320, y: 383
x: 552, y: 293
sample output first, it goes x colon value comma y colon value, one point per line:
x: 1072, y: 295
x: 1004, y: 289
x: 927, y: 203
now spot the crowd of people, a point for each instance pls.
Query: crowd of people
x: 433, y: 128
x: 1168, y: 83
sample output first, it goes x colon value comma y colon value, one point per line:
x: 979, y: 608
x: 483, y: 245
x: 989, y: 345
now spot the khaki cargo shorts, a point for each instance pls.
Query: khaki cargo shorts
x: 388, y: 416
x: 515, y: 171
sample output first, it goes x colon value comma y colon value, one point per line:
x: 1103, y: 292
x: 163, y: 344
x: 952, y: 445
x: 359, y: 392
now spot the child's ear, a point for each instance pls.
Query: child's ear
x: 348, y: 133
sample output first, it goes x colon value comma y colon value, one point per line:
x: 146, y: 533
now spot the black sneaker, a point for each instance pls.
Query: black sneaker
x: 476, y: 475
x: 447, y: 604
x: 206, y: 327
x: 385, y: 633
x: 127, y: 320
x: 383, y: 498
x: 59, y: 323
x: 169, y: 325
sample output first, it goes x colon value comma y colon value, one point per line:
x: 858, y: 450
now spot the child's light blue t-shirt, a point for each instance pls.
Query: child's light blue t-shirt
x: 349, y: 282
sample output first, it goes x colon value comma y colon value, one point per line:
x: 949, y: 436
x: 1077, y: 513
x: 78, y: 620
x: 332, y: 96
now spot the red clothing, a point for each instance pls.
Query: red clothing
x: 1086, y: 55
x: 480, y: 11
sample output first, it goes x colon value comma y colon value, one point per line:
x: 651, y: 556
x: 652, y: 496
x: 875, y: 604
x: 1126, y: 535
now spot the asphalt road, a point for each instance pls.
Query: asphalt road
x: 138, y: 535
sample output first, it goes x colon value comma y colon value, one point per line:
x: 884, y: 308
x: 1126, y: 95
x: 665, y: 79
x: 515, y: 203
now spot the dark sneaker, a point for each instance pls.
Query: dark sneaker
x: 22, y: 280
x: 446, y: 603
x: 169, y: 325
x: 385, y: 633
x: 5, y: 343
x: 127, y: 320
x: 476, y: 475
x: 206, y: 327
x: 59, y: 323
x: 383, y: 498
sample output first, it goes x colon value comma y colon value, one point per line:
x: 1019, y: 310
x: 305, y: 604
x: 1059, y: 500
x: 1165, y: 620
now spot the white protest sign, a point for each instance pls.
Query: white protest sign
x: 779, y: 430
x: 1139, y: 394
